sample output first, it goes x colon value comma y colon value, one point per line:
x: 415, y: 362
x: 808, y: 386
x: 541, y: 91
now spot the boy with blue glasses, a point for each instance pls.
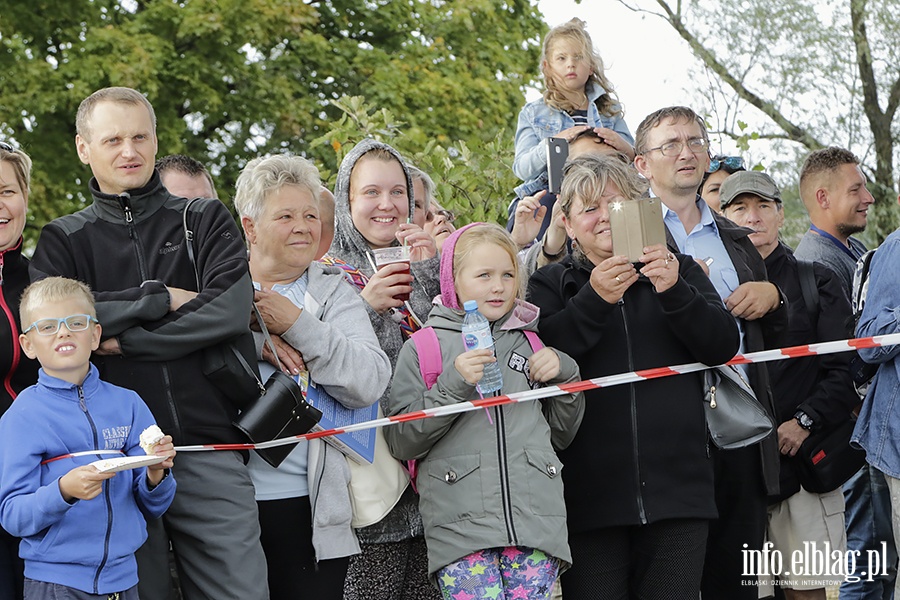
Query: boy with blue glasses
x: 62, y: 445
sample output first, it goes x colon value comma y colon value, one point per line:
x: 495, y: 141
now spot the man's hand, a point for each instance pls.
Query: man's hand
x: 109, y: 347
x: 179, y: 297
x: 84, y: 483
x: 753, y: 300
x: 790, y: 437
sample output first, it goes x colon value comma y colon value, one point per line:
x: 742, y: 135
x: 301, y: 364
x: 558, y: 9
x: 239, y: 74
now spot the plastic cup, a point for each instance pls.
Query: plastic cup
x: 390, y: 256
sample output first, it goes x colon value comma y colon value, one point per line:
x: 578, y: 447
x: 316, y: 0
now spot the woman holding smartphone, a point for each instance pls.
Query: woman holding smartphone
x: 638, y: 478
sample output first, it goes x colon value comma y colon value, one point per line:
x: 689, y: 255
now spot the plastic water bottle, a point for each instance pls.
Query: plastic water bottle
x: 476, y: 332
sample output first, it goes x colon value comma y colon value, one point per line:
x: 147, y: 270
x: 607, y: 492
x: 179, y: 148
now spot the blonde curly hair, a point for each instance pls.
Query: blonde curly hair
x: 574, y: 31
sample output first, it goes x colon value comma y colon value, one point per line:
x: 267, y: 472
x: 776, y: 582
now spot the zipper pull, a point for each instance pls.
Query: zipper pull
x: 81, y: 399
x: 124, y: 198
x: 712, y: 396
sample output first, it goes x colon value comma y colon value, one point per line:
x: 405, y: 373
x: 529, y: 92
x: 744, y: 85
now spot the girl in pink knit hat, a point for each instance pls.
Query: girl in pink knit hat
x: 490, y: 486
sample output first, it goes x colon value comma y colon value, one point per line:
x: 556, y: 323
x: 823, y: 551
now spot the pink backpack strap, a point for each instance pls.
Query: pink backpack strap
x: 534, y: 340
x: 429, y: 350
x: 430, y: 366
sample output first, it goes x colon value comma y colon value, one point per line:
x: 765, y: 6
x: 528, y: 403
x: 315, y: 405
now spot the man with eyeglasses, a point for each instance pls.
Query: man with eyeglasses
x: 129, y: 246
x: 672, y: 149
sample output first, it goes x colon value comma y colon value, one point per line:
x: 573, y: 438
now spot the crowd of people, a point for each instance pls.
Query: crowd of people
x: 614, y: 492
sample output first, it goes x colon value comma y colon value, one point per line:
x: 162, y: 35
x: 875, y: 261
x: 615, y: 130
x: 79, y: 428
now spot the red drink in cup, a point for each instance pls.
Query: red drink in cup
x: 390, y: 256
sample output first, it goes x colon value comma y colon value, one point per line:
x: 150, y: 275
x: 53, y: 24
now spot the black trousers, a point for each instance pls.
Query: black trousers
x: 12, y: 568
x: 742, y: 504
x: 286, y: 536
x: 659, y: 561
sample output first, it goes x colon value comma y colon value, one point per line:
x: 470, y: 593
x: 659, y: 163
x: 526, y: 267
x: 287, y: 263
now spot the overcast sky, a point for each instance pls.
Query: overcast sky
x: 645, y: 59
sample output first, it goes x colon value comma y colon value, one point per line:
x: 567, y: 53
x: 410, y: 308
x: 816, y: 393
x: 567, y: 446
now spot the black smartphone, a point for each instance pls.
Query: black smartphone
x: 557, y: 153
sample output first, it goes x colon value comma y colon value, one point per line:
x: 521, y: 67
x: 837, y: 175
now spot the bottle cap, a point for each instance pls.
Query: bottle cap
x: 470, y: 305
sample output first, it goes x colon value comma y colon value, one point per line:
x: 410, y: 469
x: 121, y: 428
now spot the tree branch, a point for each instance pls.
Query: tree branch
x: 864, y: 61
x: 893, y: 101
x: 794, y: 132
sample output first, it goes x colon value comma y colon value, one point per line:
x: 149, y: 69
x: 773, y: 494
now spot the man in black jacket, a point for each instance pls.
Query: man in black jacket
x: 811, y: 393
x: 672, y: 154
x: 130, y: 247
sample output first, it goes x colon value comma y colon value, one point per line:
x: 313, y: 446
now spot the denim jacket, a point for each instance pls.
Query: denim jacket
x: 537, y: 122
x: 878, y: 427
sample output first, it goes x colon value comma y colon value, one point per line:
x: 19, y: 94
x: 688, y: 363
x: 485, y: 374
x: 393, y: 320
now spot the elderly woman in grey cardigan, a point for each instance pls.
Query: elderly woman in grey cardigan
x: 317, y: 316
x: 373, y: 206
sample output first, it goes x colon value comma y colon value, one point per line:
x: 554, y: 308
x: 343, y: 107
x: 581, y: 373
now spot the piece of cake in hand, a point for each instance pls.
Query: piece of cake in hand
x: 150, y: 437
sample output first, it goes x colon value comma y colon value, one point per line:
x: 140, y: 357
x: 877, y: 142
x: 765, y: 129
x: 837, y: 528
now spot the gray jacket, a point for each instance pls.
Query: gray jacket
x: 403, y: 522
x: 342, y: 353
x: 486, y: 482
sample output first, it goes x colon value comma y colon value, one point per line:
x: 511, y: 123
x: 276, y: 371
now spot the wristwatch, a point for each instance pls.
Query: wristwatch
x: 804, y: 419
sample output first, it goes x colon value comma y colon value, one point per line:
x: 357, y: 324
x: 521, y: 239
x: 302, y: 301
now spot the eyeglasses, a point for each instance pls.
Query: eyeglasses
x: 448, y: 215
x: 7, y: 147
x: 51, y: 326
x: 735, y: 163
x: 695, y: 145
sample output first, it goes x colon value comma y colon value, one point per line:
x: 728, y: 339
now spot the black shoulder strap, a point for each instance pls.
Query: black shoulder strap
x: 809, y: 289
x: 189, y: 238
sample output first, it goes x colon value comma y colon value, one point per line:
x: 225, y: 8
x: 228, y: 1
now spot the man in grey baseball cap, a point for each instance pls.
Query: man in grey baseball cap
x: 810, y: 395
x: 748, y: 182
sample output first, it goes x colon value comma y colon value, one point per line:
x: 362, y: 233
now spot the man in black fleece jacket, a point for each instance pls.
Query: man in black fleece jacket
x: 129, y: 246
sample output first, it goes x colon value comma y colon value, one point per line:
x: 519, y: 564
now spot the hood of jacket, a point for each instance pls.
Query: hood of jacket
x: 524, y: 315
x: 349, y: 244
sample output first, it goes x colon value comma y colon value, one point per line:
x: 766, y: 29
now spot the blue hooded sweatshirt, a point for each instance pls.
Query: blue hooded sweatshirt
x: 88, y: 545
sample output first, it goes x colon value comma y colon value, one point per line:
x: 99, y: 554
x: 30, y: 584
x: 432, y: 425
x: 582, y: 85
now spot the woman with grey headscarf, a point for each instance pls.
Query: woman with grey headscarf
x: 374, y: 204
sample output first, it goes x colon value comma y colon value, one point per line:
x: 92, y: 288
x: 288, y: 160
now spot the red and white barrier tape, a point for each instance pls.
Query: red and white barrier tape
x: 568, y: 388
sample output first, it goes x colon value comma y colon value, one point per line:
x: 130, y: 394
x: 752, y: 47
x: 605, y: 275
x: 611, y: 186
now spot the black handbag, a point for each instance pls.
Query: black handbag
x: 734, y: 416
x: 231, y: 364
x: 826, y: 460
x: 280, y: 411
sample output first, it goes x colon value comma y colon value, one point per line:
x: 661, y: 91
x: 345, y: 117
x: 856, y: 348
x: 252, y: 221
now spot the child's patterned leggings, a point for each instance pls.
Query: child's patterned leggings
x: 500, y: 574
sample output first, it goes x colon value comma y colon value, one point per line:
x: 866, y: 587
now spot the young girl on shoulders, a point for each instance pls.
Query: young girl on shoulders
x: 491, y: 493
x: 578, y: 96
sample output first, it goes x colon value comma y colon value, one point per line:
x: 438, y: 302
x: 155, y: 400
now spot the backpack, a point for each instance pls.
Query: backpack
x: 431, y: 365
x: 861, y: 371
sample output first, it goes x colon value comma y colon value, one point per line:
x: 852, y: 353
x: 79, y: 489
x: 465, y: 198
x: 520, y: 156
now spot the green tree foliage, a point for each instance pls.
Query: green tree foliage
x: 474, y: 185
x: 232, y: 79
x: 813, y: 73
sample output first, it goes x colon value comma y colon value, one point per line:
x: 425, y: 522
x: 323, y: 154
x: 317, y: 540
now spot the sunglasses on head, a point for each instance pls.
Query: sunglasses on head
x: 735, y: 163
x: 7, y: 147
